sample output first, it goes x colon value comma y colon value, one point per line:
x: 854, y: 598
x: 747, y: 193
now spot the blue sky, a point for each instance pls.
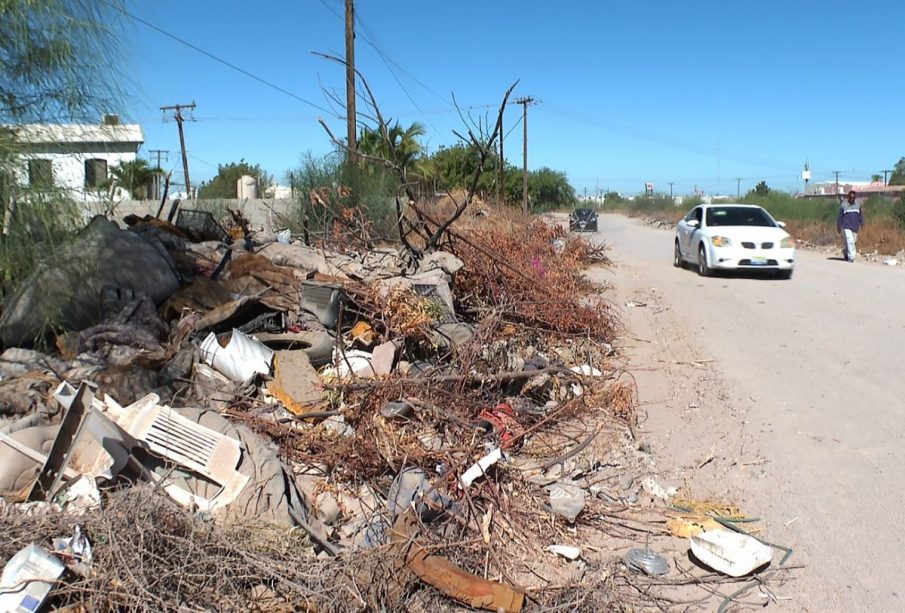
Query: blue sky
x: 696, y: 93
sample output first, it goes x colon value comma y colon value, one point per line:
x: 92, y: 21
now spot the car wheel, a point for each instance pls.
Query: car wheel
x: 677, y: 260
x: 784, y: 274
x: 703, y: 268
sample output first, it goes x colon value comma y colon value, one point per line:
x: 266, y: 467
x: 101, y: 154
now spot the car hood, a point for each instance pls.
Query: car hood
x: 745, y: 233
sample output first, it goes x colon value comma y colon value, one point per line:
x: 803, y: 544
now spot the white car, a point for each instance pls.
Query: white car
x: 733, y: 237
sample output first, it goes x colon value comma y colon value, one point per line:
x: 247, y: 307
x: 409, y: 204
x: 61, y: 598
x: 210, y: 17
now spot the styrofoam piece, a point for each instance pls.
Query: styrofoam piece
x: 730, y: 553
x: 242, y: 359
x: 480, y: 467
x: 586, y: 370
x: 567, y: 551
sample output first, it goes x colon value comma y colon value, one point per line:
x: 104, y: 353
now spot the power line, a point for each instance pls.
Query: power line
x: 387, y: 60
x: 226, y: 63
x: 716, y: 152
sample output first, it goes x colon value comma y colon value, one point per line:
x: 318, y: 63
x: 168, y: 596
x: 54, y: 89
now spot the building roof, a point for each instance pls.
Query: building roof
x: 79, y: 133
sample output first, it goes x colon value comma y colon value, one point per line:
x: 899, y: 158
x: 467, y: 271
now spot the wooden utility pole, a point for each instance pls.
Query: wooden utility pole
x: 351, y: 128
x: 671, y: 183
x: 836, y: 172
x: 738, y: 188
x: 177, y: 115
x: 501, y: 195
x: 525, y: 102
x: 160, y: 153
x: 885, y: 175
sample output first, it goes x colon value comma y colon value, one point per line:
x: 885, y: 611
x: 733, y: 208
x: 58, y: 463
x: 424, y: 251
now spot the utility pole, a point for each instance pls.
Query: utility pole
x: 738, y: 188
x: 501, y: 188
x: 670, y: 188
x: 177, y: 115
x: 886, y: 174
x: 525, y: 102
x: 351, y: 127
x: 166, y: 157
x: 836, y: 172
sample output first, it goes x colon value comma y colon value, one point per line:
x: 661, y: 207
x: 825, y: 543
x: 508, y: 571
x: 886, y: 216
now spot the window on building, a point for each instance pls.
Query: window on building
x: 95, y: 173
x: 40, y: 173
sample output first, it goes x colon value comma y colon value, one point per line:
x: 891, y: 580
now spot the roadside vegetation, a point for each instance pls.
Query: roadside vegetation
x: 329, y: 188
x: 812, y: 221
x: 59, y: 63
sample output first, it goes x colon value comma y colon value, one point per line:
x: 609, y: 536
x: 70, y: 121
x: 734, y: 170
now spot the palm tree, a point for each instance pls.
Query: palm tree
x: 135, y: 176
x: 399, y: 147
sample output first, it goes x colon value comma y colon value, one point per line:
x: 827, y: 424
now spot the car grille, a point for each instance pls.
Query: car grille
x: 767, y: 245
x: 748, y: 263
x: 748, y: 245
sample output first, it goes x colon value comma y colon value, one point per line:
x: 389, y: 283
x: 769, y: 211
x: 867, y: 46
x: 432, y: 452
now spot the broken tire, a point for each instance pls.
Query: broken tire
x: 317, y: 345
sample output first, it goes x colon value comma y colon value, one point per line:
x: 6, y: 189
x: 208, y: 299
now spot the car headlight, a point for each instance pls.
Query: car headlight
x: 720, y: 241
x: 787, y: 243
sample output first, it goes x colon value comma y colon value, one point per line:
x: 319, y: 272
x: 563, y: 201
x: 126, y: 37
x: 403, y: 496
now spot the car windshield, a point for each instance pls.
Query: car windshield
x: 583, y: 213
x: 738, y: 216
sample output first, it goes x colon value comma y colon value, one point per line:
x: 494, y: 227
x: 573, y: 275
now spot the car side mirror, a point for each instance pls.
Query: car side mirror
x: 694, y: 223
x: 781, y: 224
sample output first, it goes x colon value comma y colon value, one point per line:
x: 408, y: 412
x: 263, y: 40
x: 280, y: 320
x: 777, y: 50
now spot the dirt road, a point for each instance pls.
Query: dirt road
x: 784, y: 397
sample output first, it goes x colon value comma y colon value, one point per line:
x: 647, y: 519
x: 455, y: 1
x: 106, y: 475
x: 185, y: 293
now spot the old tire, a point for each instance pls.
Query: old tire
x: 677, y: 257
x: 318, y: 345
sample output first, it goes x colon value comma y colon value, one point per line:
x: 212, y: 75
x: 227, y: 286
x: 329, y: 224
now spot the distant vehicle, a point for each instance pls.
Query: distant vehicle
x: 583, y: 220
x: 733, y: 237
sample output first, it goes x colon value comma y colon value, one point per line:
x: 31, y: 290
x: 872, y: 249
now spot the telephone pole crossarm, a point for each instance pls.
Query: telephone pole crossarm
x: 177, y: 115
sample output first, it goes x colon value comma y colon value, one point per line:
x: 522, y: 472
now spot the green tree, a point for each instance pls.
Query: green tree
x: 400, y: 147
x: 225, y: 183
x: 135, y: 176
x: 59, y: 63
x: 456, y: 165
x: 549, y: 189
x: 876, y: 178
x: 898, y: 173
x: 761, y: 189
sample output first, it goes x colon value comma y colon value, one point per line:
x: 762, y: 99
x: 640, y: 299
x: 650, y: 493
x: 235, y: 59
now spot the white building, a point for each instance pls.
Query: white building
x: 77, y: 157
x: 829, y: 188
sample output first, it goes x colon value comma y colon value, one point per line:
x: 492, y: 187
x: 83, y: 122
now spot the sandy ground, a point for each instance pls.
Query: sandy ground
x: 782, y: 397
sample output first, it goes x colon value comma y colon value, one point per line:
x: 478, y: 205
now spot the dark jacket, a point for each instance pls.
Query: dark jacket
x: 850, y: 217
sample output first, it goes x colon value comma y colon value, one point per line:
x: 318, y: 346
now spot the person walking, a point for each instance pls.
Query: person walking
x: 848, y: 223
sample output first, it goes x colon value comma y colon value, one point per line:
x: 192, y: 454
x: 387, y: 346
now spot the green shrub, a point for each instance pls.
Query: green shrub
x: 342, y: 185
x: 38, y: 227
x: 898, y: 212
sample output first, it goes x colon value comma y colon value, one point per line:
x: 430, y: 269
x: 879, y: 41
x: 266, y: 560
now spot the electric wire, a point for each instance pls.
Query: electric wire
x: 664, y: 140
x: 226, y: 63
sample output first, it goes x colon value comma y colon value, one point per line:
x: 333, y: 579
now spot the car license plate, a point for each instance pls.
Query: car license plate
x: 758, y: 261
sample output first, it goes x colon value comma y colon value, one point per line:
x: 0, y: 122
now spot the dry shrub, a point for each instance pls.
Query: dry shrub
x: 405, y: 313
x: 520, y: 271
x: 882, y: 235
x: 813, y: 232
x: 878, y: 234
x: 152, y: 555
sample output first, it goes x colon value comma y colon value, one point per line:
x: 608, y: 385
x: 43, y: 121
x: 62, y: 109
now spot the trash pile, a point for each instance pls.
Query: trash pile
x: 195, y: 417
